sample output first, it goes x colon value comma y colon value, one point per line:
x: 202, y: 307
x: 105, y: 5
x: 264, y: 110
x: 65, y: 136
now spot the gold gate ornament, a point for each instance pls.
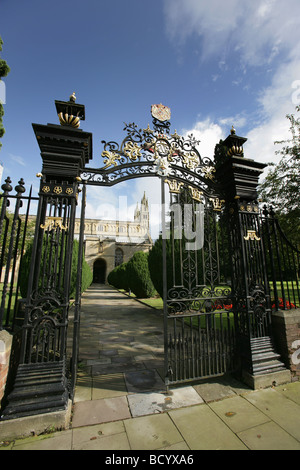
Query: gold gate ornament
x: 251, y: 235
x: 53, y: 222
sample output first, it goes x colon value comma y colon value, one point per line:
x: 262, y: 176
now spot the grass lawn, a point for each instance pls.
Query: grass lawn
x: 12, y: 304
x: 291, y: 291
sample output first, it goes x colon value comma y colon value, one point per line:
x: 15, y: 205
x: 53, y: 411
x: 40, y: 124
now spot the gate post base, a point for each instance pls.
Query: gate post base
x: 266, y: 380
x: 37, y: 424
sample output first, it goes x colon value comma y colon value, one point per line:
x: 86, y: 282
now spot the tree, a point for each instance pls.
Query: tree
x: 155, y: 262
x: 220, y: 154
x: 138, y: 275
x: 87, y: 275
x: 281, y: 185
x: 118, y: 277
x: 4, y: 70
x: 6, y: 234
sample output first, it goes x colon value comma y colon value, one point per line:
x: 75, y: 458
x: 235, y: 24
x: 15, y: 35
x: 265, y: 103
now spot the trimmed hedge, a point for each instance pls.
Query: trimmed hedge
x: 138, y: 275
x: 134, y: 275
x: 118, y: 277
x: 87, y: 275
x: 155, y: 262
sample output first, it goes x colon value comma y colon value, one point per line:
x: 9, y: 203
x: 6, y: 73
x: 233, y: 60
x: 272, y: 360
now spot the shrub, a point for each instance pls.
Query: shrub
x: 155, y: 262
x: 87, y: 275
x: 138, y: 275
x: 118, y: 277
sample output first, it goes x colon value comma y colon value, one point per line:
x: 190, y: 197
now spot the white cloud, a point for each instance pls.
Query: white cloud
x: 209, y: 134
x: 17, y: 159
x: 259, y: 30
x: 264, y: 34
x: 276, y: 101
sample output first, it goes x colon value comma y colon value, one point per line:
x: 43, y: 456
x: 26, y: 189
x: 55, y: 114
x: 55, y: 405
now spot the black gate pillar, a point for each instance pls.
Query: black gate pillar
x: 41, y: 382
x: 250, y: 288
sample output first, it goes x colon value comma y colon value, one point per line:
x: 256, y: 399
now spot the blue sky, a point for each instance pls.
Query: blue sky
x: 214, y: 63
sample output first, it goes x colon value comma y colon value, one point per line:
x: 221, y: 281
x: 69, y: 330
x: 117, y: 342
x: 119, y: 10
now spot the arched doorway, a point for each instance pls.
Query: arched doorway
x: 99, y: 271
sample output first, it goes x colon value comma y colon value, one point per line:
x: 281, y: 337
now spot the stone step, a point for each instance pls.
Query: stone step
x: 267, y: 367
x: 38, y: 388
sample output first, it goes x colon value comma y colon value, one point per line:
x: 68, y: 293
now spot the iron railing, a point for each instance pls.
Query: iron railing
x: 282, y: 262
x: 13, y: 235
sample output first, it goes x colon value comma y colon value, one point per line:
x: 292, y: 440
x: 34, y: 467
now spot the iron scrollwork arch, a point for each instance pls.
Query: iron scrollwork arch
x: 146, y: 152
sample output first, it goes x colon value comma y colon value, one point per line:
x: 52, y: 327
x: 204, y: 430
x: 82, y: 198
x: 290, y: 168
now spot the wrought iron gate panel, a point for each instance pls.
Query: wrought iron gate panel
x: 252, y: 297
x: 199, y: 319
x: 46, y: 313
x: 13, y: 233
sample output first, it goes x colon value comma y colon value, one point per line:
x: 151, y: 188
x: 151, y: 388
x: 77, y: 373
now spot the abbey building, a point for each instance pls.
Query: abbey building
x: 109, y: 243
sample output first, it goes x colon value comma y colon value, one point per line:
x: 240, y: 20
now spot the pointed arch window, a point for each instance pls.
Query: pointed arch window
x: 119, y: 256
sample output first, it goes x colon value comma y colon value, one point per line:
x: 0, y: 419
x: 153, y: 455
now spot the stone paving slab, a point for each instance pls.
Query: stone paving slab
x: 91, y: 412
x: 108, y: 386
x: 277, y: 407
x: 57, y: 441
x: 203, y: 430
x: 238, y: 413
x: 291, y: 391
x: 83, y: 390
x: 212, y: 391
x: 108, y: 436
x: 141, y: 404
x: 152, y: 432
x: 268, y: 436
x: 143, y: 381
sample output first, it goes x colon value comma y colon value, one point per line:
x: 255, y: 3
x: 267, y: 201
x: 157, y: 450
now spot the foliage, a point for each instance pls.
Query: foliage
x: 281, y: 185
x: 4, y: 70
x: 118, y: 278
x: 220, y: 154
x: 133, y: 275
x: 155, y: 262
x: 87, y: 275
x: 6, y: 232
x: 138, y: 275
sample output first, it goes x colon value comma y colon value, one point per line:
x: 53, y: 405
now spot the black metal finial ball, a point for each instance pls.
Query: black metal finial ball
x: 20, y: 187
x: 7, y: 186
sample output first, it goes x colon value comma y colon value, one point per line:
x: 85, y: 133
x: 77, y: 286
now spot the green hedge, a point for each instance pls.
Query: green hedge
x: 155, y: 262
x: 118, y: 277
x: 134, y: 275
x: 138, y: 275
x: 87, y: 275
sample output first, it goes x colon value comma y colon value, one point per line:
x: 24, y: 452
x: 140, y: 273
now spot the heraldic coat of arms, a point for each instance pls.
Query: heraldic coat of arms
x: 160, y: 112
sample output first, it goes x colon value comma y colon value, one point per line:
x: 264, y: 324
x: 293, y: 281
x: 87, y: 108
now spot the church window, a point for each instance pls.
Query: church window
x: 118, y: 256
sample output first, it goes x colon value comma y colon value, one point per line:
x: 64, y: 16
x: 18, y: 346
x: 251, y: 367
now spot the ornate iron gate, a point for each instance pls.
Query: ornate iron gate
x: 215, y: 288
x: 199, y: 320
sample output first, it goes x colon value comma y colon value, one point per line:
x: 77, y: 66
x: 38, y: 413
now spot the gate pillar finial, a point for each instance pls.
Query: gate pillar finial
x: 239, y: 175
x: 65, y: 149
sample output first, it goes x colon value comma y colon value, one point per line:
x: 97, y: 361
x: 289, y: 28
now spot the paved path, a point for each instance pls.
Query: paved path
x: 121, y: 403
